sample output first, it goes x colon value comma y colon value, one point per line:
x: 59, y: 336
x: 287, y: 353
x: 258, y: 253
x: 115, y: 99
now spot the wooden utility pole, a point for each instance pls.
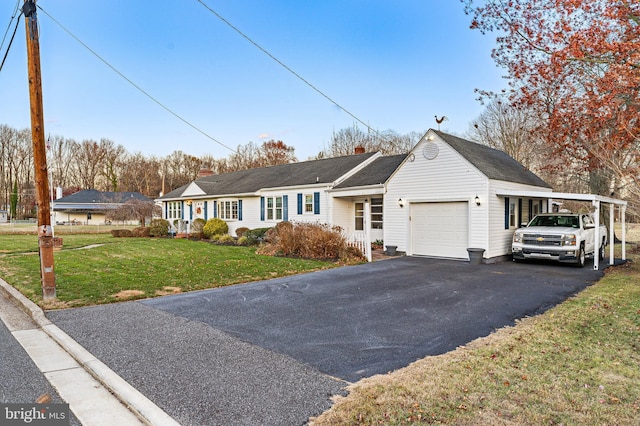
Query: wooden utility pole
x: 45, y: 231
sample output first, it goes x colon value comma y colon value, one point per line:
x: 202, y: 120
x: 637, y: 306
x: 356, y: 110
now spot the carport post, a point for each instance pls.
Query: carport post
x: 596, y: 236
x: 612, y: 234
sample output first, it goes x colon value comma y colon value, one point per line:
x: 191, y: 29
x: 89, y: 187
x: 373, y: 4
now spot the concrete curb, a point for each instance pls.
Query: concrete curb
x: 139, y: 404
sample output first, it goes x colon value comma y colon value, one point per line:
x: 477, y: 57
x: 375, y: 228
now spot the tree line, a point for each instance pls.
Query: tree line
x: 107, y: 166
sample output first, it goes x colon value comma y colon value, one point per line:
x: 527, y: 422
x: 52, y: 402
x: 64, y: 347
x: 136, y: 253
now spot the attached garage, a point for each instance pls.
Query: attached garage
x: 440, y: 229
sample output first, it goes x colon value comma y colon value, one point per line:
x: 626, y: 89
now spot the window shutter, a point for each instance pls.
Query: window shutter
x: 506, y: 212
x: 239, y: 209
x: 215, y: 209
x: 262, y: 209
x: 316, y: 203
x: 166, y: 210
x: 285, y: 208
x: 519, y: 218
x: 206, y: 204
x: 530, y: 209
x: 190, y: 211
x: 299, y: 203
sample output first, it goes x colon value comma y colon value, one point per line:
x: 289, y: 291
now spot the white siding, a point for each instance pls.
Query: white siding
x: 447, y: 177
x: 500, y: 238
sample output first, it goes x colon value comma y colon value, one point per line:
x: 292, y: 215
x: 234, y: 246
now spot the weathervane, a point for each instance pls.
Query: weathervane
x: 440, y: 120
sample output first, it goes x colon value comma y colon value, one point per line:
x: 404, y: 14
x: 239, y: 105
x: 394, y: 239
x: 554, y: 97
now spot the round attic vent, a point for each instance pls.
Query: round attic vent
x: 430, y: 150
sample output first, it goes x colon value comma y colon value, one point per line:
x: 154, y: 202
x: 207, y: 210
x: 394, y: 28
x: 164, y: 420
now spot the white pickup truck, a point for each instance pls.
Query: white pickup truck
x: 564, y: 237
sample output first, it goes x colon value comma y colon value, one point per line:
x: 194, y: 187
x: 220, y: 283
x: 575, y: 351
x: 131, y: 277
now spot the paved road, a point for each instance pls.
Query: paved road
x: 273, y: 352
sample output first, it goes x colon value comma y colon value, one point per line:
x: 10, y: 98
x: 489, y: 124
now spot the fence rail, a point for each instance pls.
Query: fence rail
x: 361, y: 241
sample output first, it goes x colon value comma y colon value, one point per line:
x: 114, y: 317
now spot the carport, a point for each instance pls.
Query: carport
x: 596, y: 201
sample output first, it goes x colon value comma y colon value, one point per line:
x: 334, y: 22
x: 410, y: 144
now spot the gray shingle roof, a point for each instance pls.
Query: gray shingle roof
x: 495, y: 164
x: 303, y: 173
x: 378, y: 172
x: 92, y: 196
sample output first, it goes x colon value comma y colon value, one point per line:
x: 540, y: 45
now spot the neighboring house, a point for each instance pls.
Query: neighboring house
x: 445, y: 196
x: 4, y: 216
x: 89, y: 206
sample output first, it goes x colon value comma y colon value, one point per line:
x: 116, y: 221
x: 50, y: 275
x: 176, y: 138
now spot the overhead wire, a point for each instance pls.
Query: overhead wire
x: 140, y: 89
x: 4, y: 58
x: 289, y: 69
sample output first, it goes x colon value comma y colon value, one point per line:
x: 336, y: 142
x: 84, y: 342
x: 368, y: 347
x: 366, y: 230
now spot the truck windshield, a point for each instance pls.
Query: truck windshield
x: 559, y: 220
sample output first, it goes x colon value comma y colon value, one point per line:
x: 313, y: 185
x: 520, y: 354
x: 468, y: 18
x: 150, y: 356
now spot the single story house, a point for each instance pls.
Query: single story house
x: 445, y: 196
x: 89, y: 206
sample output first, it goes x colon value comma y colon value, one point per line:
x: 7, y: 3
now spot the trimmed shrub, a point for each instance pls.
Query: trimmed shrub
x: 255, y: 236
x: 215, y: 227
x: 121, y: 233
x: 141, y: 231
x: 242, y: 241
x: 241, y: 231
x: 159, y: 228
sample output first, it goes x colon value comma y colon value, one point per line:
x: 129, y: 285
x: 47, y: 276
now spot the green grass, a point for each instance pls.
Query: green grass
x: 127, y: 268
x: 577, y: 364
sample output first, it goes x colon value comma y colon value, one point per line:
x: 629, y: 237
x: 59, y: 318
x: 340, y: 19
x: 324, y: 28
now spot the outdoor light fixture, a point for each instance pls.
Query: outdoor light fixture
x: 477, y: 200
x: 400, y: 202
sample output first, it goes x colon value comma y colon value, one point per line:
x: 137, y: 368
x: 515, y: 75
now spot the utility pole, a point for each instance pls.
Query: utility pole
x: 45, y: 232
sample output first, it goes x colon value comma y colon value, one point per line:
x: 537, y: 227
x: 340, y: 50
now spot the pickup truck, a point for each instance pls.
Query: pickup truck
x: 564, y: 237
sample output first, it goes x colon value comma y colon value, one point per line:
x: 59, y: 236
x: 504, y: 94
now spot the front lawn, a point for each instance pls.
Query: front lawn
x: 114, y: 269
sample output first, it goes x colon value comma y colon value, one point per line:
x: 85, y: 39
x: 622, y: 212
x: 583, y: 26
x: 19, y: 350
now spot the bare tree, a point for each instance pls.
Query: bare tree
x: 388, y: 142
x: 133, y: 209
x: 512, y: 130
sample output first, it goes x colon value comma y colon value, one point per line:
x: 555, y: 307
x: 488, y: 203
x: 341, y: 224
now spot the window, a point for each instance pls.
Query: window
x: 308, y: 203
x: 228, y: 210
x: 274, y: 208
x: 174, y: 210
x: 512, y: 215
x: 376, y: 213
x: 359, y: 216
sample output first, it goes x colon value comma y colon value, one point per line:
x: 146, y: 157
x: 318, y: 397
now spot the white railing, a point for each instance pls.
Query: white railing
x: 362, y: 241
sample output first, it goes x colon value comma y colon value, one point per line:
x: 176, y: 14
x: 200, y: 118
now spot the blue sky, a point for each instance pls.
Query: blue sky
x: 393, y: 64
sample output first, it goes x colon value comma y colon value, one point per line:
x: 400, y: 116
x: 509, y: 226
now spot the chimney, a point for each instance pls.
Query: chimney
x: 58, y: 192
x: 205, y: 172
x: 359, y: 150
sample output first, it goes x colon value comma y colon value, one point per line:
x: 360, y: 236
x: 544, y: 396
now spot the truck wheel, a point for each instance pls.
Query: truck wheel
x: 602, y: 251
x: 581, y: 256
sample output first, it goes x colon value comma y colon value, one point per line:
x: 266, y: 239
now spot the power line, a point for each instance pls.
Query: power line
x: 114, y: 69
x: 7, y: 32
x: 305, y: 81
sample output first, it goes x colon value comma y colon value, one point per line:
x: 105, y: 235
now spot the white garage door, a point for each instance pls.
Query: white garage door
x: 440, y: 229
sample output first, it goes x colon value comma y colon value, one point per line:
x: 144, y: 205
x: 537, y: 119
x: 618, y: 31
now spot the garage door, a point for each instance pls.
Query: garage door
x: 440, y: 229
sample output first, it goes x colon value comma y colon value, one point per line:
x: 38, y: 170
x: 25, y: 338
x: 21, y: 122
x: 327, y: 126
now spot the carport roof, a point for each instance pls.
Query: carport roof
x: 563, y: 196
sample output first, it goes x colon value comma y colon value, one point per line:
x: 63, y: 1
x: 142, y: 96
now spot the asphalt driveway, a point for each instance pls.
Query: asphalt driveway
x: 270, y: 352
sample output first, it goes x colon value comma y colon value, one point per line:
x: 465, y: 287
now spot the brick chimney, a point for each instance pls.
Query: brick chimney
x: 205, y: 172
x: 359, y: 149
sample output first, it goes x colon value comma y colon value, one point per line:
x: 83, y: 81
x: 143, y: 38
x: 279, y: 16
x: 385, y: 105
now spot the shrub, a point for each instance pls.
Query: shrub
x: 310, y: 241
x: 141, y: 231
x: 196, y: 228
x: 215, y: 227
x: 241, y: 231
x: 121, y: 233
x: 242, y: 241
x: 255, y: 236
x: 226, y: 240
x: 197, y: 225
x: 159, y: 228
